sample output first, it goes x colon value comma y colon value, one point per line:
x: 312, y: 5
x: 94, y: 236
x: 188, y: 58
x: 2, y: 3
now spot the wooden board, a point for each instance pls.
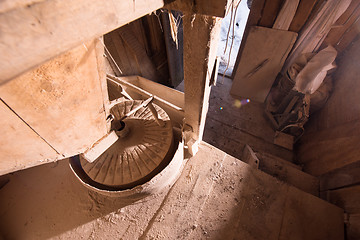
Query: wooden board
x: 341, y: 177
x: 20, y: 146
x: 269, y: 13
x: 206, y: 7
x: 30, y: 34
x: 302, y: 14
x: 263, y: 57
x: 63, y: 100
x: 346, y: 198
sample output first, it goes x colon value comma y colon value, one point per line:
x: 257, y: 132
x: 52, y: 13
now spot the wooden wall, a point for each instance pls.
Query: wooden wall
x: 330, y: 147
x: 138, y: 48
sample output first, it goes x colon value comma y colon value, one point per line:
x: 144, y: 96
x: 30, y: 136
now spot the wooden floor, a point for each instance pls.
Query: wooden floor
x: 216, y: 197
x: 229, y: 127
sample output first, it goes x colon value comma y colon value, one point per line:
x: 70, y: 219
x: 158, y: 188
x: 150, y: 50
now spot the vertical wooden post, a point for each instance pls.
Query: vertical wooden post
x: 201, y: 34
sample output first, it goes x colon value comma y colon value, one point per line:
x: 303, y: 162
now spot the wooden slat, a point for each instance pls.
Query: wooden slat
x: 342, y: 177
x: 30, y: 35
x: 20, y: 146
x: 302, y: 14
x: 62, y: 100
x: 286, y: 14
x: 269, y: 13
x: 338, y: 34
x: 316, y: 29
x: 262, y: 59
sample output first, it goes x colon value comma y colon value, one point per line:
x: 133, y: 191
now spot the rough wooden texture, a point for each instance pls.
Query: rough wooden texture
x: 302, y: 14
x: 332, y: 136
x: 284, y: 140
x: 250, y: 157
x: 201, y: 35
x: 286, y: 172
x: 216, y: 8
x: 316, y: 29
x: 62, y: 100
x: 269, y: 13
x: 216, y: 197
x: 253, y: 19
x: 347, y: 198
x: 20, y: 146
x: 286, y: 14
x: 341, y: 177
x: 230, y: 126
x: 262, y: 58
x: 31, y: 34
x: 345, y: 28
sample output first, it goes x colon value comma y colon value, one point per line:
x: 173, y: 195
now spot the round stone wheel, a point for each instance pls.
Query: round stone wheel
x: 135, y: 158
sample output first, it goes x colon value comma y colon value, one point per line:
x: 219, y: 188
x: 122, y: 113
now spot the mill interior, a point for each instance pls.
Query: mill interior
x: 117, y: 124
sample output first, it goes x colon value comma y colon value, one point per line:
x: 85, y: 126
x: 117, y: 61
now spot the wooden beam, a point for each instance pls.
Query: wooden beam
x: 216, y: 8
x: 32, y: 34
x: 201, y: 34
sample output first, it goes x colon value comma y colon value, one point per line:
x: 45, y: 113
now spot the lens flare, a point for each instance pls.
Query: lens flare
x: 240, y: 103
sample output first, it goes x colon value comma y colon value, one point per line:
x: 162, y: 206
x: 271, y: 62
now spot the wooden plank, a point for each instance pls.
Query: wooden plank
x: 342, y: 177
x: 20, y: 146
x: 269, y: 13
x: 286, y: 14
x: 201, y: 35
x: 285, y: 172
x: 342, y: 26
x: 250, y: 157
x: 284, y: 140
x: 62, y: 100
x: 30, y: 35
x: 347, y: 198
x: 253, y: 19
x: 326, y: 156
x: 316, y: 29
x: 302, y: 14
x: 263, y: 57
x: 308, y: 217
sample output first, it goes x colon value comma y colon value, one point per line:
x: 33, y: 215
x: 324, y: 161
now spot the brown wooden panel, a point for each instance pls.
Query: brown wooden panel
x: 62, y: 100
x: 32, y: 34
x: 339, y: 34
x: 20, y: 146
x: 270, y: 12
x: 302, y: 14
x: 262, y: 59
x: 346, y: 198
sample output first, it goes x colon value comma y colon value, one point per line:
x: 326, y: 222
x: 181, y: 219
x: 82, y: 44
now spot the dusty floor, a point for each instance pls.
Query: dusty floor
x: 216, y: 197
x: 229, y: 127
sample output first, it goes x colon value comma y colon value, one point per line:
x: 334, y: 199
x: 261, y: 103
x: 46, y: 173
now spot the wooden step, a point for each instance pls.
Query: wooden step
x: 283, y: 170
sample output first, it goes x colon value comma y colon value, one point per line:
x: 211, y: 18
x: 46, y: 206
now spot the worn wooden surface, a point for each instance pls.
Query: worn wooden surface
x: 62, y: 100
x: 230, y: 126
x: 201, y: 35
x: 262, y: 58
x: 253, y: 19
x: 302, y: 14
x: 316, y: 29
x: 30, y: 34
x: 216, y: 197
x: 20, y: 146
x: 216, y: 8
x: 345, y: 28
x: 269, y: 13
x: 286, y: 14
x: 332, y: 136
